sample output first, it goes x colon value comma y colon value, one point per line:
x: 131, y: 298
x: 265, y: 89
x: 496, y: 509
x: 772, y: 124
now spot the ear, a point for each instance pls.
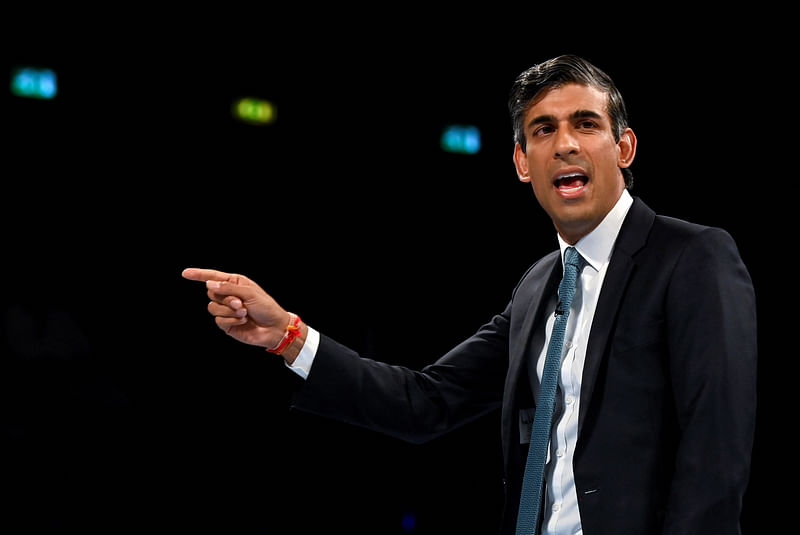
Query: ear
x: 627, y: 148
x: 521, y: 163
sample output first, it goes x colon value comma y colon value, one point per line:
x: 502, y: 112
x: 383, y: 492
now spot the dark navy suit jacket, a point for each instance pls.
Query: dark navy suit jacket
x: 668, y: 396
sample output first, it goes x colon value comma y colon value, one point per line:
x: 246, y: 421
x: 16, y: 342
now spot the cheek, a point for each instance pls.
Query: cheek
x: 538, y: 182
x: 541, y: 189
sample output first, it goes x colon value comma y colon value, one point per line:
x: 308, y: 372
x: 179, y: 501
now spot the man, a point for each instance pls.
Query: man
x: 655, y: 409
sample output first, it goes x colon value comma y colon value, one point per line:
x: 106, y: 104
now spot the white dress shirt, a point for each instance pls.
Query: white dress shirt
x: 561, y: 514
x: 302, y: 364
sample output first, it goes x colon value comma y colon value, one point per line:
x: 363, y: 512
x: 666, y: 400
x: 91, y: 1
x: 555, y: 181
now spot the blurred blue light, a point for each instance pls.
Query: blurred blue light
x: 461, y: 139
x: 409, y: 522
x: 34, y: 83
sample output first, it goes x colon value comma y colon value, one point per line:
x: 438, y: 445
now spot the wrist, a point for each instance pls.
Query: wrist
x: 291, y: 352
x: 293, y: 338
x: 271, y: 343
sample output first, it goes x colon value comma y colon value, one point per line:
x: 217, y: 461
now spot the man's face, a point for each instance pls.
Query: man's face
x: 571, y: 158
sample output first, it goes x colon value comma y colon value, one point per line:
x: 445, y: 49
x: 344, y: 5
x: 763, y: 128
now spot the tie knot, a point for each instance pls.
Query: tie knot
x: 573, y: 258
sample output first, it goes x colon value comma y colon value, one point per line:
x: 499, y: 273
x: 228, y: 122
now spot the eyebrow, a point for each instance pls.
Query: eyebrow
x: 579, y: 114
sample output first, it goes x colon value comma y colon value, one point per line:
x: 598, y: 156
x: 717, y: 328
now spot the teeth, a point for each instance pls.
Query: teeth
x: 569, y: 175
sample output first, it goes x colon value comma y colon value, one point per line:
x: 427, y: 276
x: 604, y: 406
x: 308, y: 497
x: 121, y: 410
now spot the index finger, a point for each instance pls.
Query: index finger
x: 203, y: 275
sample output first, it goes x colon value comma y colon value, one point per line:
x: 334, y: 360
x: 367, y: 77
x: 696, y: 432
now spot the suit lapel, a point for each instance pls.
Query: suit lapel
x: 632, y: 237
x: 539, y: 284
x: 526, y: 313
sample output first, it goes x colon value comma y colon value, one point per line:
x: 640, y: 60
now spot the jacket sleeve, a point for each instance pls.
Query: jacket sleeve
x: 712, y: 366
x: 412, y: 405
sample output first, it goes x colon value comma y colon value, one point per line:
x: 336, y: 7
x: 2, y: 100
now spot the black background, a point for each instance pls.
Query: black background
x: 126, y: 409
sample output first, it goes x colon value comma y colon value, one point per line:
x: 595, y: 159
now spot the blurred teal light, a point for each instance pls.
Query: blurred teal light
x: 461, y: 139
x: 31, y: 82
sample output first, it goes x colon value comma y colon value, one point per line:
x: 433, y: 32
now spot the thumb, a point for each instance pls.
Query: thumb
x: 236, y: 285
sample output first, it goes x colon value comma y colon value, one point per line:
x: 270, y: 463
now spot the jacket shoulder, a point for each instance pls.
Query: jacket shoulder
x: 645, y: 226
x: 680, y: 232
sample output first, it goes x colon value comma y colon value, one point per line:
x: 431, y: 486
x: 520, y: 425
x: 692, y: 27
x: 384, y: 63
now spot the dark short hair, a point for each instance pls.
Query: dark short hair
x: 555, y: 73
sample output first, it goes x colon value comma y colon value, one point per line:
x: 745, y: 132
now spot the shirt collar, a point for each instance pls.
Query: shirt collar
x: 596, y: 246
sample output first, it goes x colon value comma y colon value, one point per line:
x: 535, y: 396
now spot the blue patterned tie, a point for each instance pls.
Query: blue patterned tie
x: 532, y: 483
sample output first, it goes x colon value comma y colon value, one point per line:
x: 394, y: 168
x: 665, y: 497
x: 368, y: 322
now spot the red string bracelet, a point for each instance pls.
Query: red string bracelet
x: 292, y: 332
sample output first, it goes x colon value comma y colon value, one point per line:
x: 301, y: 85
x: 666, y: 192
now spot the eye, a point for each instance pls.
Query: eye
x: 543, y: 130
x: 587, y: 124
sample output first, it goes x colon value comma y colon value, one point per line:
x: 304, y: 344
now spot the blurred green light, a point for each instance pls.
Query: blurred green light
x: 254, y: 111
x: 30, y: 82
x: 461, y: 139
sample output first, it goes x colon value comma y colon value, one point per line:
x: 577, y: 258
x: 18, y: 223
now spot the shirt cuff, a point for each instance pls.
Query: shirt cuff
x: 302, y: 364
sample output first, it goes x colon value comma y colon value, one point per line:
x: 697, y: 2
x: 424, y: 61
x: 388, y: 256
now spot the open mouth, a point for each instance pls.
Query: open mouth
x: 570, y: 184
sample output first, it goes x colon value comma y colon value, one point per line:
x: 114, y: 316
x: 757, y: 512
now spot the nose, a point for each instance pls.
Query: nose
x: 566, y: 143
